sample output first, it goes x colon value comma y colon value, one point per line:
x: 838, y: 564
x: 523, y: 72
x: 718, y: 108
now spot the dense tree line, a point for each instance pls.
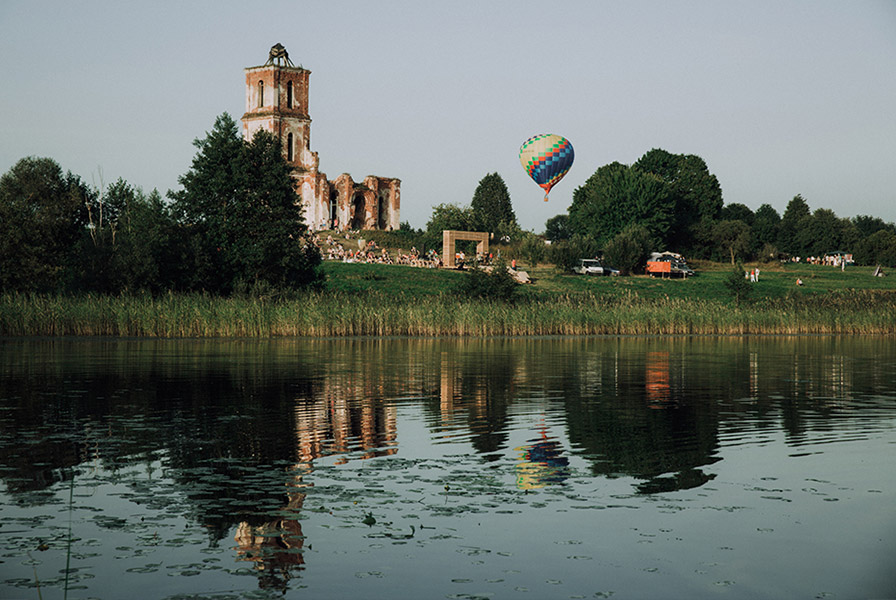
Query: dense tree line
x: 233, y: 227
x: 672, y: 202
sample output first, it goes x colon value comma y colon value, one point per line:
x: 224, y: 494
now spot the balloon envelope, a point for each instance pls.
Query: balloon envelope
x: 546, y: 158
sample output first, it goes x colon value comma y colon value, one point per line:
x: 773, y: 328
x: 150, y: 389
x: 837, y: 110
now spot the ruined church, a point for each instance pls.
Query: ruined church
x: 277, y: 101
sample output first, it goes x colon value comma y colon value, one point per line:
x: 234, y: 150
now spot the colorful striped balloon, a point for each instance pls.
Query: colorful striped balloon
x: 546, y: 158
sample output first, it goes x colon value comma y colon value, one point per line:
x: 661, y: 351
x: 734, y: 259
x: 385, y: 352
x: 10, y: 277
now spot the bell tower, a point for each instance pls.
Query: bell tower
x: 277, y: 101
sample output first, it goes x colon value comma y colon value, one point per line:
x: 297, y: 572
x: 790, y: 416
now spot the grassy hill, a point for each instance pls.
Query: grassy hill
x: 775, y: 281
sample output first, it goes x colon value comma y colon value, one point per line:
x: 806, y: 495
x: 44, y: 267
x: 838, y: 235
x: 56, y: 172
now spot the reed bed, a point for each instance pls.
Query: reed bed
x: 339, y: 315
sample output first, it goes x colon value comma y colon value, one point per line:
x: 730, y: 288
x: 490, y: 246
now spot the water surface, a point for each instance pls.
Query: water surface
x: 549, y: 468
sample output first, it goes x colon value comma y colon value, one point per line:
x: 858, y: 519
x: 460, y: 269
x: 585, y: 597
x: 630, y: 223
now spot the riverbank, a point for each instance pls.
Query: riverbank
x: 335, y: 314
x: 384, y: 300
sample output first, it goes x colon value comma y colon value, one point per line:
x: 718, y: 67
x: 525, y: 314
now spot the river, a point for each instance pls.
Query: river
x: 667, y: 467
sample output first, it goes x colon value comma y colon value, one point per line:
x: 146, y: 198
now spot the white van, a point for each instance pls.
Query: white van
x: 592, y: 266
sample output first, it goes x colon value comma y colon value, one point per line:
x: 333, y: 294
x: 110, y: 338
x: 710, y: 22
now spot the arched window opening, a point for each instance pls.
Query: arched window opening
x: 382, y: 210
x: 289, y: 148
x: 358, y: 217
x: 260, y: 94
x: 333, y: 207
x: 288, y: 94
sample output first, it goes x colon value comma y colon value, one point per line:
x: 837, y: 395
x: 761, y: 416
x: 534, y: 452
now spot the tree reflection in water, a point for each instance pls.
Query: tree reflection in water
x: 241, y: 426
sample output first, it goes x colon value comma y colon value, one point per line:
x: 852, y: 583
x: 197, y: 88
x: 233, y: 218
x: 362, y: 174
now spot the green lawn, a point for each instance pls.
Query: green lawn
x: 775, y: 281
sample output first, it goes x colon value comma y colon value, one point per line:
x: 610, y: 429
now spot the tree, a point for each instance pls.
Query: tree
x: 147, y: 250
x: 796, y: 210
x: 694, y: 192
x: 566, y: 254
x: 496, y: 285
x: 238, y: 207
x: 491, y: 205
x: 533, y: 250
x: 733, y: 236
x: 879, y: 248
x: 737, y: 284
x: 818, y: 233
x: 449, y: 216
x: 616, y: 197
x: 42, y: 214
x: 628, y: 250
x: 737, y: 212
x: 766, y: 221
x: 557, y: 228
x: 867, y: 225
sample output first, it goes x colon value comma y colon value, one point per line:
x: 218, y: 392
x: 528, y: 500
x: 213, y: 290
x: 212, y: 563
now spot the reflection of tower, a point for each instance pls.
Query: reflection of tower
x: 754, y: 375
x: 275, y: 547
x: 349, y: 418
x: 447, y: 390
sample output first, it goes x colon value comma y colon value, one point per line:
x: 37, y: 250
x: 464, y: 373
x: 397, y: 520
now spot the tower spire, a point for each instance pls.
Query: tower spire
x: 279, y: 56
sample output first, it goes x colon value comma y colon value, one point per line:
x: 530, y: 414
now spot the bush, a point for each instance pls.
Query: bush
x: 566, y: 254
x: 628, y: 250
x: 495, y: 285
x: 738, y: 285
x: 533, y: 250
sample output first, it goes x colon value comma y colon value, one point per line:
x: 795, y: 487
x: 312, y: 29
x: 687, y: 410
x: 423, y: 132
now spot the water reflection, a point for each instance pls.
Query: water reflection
x: 541, y: 463
x: 241, y: 426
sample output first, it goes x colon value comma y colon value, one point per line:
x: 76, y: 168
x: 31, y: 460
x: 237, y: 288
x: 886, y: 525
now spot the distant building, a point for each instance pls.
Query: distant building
x: 277, y: 101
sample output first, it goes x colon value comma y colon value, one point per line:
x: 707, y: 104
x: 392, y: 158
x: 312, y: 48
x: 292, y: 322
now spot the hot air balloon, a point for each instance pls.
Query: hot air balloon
x: 546, y: 158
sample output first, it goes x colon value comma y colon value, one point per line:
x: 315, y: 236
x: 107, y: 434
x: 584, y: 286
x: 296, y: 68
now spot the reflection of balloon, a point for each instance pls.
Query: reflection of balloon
x: 546, y: 158
x: 541, y: 463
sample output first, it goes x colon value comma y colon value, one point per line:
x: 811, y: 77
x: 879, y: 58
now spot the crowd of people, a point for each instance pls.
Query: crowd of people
x: 370, y: 252
x: 830, y: 260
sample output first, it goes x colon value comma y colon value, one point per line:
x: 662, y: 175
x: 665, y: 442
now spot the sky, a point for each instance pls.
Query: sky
x: 778, y: 98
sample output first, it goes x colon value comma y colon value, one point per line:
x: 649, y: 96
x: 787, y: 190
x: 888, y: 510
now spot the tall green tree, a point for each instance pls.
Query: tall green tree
x: 238, y: 208
x: 867, y: 225
x: 879, y: 248
x: 210, y: 190
x: 491, y: 204
x: 616, y: 197
x: 694, y: 192
x: 733, y: 236
x: 796, y: 210
x: 737, y: 212
x: 819, y: 233
x: 136, y: 248
x: 766, y: 222
x: 42, y: 214
x: 557, y: 228
x: 628, y: 251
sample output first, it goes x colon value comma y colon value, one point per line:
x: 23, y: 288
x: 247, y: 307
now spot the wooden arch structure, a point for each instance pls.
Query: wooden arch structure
x: 450, y: 236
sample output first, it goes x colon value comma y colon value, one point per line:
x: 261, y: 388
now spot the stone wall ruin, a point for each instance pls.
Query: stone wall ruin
x: 277, y: 101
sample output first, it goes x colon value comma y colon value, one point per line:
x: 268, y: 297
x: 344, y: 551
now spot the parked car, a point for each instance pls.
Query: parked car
x: 668, y: 264
x: 592, y: 266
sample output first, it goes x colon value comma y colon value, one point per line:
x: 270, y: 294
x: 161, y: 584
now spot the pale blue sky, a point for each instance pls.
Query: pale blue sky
x: 779, y: 98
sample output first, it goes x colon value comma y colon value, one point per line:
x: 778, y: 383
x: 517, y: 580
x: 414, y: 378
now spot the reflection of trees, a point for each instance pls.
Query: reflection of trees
x: 636, y: 406
x: 482, y: 385
x: 649, y: 428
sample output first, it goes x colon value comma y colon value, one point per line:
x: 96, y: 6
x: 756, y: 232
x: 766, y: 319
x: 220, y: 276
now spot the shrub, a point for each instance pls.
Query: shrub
x: 495, y: 285
x: 738, y: 285
x: 628, y: 250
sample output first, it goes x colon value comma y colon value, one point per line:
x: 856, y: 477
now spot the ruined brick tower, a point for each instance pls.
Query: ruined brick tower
x: 277, y: 101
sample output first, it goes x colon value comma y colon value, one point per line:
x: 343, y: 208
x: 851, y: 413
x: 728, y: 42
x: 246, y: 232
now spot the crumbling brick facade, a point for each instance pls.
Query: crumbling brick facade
x: 277, y: 101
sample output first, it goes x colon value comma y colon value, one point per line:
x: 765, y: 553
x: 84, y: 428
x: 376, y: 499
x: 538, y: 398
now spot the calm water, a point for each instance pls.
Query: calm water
x: 549, y: 468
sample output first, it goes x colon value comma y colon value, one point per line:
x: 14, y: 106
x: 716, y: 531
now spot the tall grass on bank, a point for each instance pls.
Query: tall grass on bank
x: 336, y: 315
